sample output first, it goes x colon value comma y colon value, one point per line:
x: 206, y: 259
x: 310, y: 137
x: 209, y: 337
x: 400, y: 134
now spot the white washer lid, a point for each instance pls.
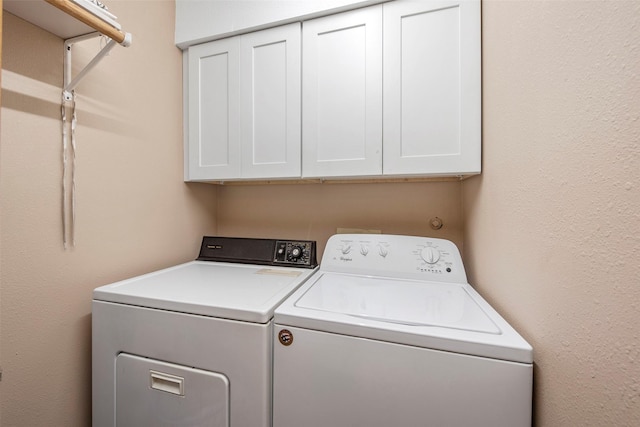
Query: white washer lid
x: 442, y: 316
x: 233, y: 291
x: 398, y: 301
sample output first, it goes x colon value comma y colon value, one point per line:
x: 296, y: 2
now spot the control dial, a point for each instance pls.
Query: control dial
x: 383, y: 251
x: 296, y: 252
x: 430, y: 255
x: 346, y: 248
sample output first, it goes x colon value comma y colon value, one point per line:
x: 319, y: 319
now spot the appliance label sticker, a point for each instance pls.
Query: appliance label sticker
x: 278, y: 272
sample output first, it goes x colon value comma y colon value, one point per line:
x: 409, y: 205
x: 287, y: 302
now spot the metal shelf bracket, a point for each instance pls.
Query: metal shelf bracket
x: 71, y: 83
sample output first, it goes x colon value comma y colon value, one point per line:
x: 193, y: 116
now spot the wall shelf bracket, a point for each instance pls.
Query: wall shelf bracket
x: 70, y: 82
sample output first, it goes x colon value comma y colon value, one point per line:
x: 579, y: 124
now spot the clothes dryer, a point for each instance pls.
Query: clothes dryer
x: 389, y: 333
x: 191, y: 345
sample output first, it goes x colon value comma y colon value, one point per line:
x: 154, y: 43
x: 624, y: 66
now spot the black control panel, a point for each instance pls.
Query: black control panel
x: 288, y: 253
x: 292, y: 252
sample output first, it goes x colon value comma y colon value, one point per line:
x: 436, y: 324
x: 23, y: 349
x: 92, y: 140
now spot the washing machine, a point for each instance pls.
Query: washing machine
x: 389, y: 332
x: 191, y: 345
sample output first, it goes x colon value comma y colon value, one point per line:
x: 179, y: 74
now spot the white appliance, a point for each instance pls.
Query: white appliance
x: 389, y: 333
x: 192, y: 345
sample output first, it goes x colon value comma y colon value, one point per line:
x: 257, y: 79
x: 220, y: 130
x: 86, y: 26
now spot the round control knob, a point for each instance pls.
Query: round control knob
x: 296, y: 252
x: 346, y: 249
x: 383, y: 251
x: 430, y: 255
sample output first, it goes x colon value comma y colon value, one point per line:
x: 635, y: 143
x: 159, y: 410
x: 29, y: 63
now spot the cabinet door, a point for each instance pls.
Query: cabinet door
x: 213, y: 151
x: 342, y: 94
x: 270, y: 134
x: 432, y: 103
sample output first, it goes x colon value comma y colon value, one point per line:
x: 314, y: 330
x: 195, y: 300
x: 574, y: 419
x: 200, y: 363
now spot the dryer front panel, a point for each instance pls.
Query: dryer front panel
x: 240, y: 351
x: 155, y: 393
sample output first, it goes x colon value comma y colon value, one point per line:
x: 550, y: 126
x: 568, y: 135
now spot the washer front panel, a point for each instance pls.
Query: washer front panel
x: 325, y: 379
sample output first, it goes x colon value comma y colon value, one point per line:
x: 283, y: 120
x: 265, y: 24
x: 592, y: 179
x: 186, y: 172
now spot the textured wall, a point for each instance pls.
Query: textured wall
x: 315, y: 211
x: 134, y: 213
x: 552, y: 227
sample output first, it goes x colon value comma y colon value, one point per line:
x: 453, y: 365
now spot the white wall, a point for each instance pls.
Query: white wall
x: 203, y: 20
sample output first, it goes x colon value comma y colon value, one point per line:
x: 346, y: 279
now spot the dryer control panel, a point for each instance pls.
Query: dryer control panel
x: 291, y: 252
x: 412, y: 257
x: 286, y: 253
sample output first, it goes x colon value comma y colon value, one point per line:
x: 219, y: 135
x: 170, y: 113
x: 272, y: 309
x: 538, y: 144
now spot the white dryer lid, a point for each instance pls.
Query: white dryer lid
x: 233, y: 291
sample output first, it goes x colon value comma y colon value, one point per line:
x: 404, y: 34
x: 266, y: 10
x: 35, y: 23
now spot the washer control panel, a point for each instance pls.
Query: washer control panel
x: 412, y: 257
x: 435, y: 257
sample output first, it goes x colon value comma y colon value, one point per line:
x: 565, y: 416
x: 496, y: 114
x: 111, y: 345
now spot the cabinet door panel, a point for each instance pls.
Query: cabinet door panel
x: 213, y: 151
x: 270, y: 103
x: 342, y: 94
x: 431, y: 87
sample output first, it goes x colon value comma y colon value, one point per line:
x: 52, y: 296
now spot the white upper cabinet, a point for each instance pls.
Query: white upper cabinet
x: 244, y: 106
x: 389, y: 90
x: 213, y: 148
x: 270, y: 103
x: 342, y: 94
x: 432, y: 88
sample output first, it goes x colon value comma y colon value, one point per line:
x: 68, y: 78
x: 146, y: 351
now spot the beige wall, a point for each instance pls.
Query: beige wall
x: 134, y: 213
x: 1, y: 16
x: 550, y: 230
x: 552, y: 227
x: 315, y: 211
